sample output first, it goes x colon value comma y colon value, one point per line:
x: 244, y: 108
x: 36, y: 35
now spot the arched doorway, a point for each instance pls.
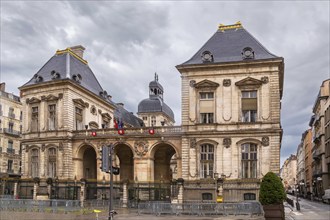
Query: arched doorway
x: 89, y: 171
x: 164, y: 167
x: 124, y: 159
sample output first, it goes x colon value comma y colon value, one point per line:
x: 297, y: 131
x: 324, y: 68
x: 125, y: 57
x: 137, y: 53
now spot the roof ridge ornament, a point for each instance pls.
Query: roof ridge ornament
x: 223, y: 27
x: 69, y: 51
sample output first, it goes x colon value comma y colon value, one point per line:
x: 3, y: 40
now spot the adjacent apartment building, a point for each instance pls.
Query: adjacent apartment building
x: 10, y: 134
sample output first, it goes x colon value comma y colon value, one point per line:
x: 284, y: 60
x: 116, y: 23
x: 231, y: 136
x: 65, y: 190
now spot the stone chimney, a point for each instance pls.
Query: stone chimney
x: 79, y: 50
x: 3, y: 86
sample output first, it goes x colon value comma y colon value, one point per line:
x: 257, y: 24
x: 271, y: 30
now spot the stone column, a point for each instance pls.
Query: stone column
x: 82, y: 192
x: 180, y: 182
x: 15, y: 189
x: 125, y: 195
x: 35, y: 189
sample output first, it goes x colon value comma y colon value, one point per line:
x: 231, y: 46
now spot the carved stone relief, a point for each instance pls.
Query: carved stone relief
x: 192, y: 83
x: 141, y: 147
x: 226, y: 142
x: 264, y: 79
x: 192, y: 142
x: 265, y: 141
x: 226, y: 82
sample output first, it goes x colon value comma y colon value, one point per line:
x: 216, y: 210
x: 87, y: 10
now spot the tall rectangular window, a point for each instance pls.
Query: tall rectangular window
x: 35, y: 163
x: 35, y: 119
x: 206, y: 118
x: 79, y: 119
x: 249, y: 106
x: 52, y: 162
x: 11, y: 113
x: 249, y: 160
x: 51, y: 117
x: 11, y: 127
x: 206, y: 107
x: 153, y: 121
x: 206, y: 160
x: 10, y: 166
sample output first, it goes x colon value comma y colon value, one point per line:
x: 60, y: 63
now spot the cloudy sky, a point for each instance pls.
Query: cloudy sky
x: 127, y: 42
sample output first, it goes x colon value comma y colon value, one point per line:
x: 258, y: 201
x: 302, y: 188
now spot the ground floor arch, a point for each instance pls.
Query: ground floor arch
x: 124, y: 159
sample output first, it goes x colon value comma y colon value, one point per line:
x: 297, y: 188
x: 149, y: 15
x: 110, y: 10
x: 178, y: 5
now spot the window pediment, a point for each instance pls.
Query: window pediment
x: 206, y: 84
x: 249, y: 83
x: 80, y: 103
x: 33, y: 100
x: 49, y: 98
x: 106, y: 116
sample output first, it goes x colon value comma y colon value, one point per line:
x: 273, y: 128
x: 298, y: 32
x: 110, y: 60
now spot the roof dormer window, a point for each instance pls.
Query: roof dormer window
x: 247, y: 53
x: 38, y: 78
x: 207, y: 56
x: 77, y: 78
x: 55, y: 75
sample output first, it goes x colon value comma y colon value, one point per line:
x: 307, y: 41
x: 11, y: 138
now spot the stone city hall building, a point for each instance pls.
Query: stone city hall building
x: 229, y: 137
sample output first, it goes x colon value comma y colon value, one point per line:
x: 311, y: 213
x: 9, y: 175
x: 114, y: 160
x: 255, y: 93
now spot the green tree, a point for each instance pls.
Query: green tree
x: 271, y: 190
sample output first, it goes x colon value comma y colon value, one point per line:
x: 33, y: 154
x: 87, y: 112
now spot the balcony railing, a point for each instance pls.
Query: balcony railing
x: 10, y: 171
x: 0, y: 150
x: 11, y: 132
x: 317, y: 154
x: 10, y: 151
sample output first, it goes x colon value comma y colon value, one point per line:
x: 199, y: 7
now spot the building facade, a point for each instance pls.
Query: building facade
x: 301, y: 178
x: 307, y: 142
x: 318, y: 122
x: 10, y: 135
x: 289, y: 174
x: 229, y: 137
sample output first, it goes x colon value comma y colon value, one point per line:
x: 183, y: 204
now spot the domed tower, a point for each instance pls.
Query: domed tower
x: 154, y: 111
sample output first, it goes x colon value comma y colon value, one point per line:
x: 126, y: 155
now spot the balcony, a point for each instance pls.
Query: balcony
x: 0, y: 150
x: 11, y: 115
x: 317, y: 154
x: 11, y: 132
x: 10, y: 151
x: 10, y: 171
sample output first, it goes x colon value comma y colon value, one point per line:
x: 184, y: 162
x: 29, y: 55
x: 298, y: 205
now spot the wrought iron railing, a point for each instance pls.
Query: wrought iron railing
x: 11, y: 132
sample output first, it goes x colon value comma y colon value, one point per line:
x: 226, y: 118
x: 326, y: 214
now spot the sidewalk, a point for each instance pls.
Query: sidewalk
x: 123, y: 214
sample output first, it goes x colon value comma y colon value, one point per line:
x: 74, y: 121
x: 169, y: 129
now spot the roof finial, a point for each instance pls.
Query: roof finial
x: 156, y: 77
x: 223, y: 27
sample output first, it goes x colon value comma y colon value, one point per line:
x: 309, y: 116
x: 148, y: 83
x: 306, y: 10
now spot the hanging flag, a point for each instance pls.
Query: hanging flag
x: 115, y: 123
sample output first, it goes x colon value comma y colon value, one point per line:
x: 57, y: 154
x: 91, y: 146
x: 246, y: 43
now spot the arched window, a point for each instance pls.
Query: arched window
x: 206, y: 160
x: 249, y: 160
x: 35, y: 163
x: 52, y: 162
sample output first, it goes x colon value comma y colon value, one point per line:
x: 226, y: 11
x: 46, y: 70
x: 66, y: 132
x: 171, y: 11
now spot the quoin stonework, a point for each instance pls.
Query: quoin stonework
x: 228, y: 139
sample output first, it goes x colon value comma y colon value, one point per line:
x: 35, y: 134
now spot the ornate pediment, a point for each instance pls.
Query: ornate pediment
x: 249, y: 82
x: 32, y: 100
x: 206, y: 84
x: 80, y: 102
x: 49, y: 98
x: 106, y: 115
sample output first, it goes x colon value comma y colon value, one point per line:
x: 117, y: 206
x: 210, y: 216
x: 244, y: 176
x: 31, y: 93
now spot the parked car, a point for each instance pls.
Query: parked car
x: 326, y: 196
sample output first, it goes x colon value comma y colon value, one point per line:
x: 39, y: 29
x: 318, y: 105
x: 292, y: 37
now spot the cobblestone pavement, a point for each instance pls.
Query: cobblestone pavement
x: 123, y: 214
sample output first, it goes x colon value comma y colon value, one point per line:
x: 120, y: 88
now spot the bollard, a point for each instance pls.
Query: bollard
x: 297, y: 206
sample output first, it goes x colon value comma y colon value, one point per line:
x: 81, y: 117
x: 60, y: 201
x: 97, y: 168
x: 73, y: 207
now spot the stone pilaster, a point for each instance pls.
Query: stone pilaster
x: 82, y: 194
x: 35, y: 190
x: 125, y: 195
x: 15, y: 189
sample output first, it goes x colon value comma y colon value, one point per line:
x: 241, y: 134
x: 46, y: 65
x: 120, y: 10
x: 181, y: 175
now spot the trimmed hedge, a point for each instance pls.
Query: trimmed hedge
x: 271, y: 190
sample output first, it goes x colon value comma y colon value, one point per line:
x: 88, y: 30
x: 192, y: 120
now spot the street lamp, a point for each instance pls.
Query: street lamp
x: 75, y: 188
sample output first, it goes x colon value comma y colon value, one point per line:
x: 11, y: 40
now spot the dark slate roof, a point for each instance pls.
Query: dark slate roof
x: 155, y: 105
x: 154, y: 84
x: 128, y: 118
x: 227, y: 46
x: 58, y: 64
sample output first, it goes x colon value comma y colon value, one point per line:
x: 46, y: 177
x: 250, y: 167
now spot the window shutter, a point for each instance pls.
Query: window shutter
x: 249, y: 104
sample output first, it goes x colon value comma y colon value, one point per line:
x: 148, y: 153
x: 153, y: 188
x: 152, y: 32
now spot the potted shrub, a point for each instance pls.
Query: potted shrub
x: 271, y: 196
